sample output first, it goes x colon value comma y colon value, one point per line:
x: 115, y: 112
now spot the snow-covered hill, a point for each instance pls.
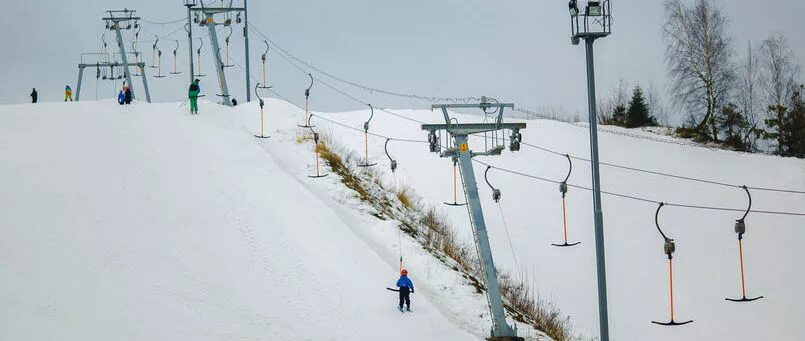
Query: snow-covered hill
x: 706, y: 265
x: 143, y: 222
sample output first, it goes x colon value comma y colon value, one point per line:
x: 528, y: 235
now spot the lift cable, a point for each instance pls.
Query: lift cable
x: 364, y: 87
x: 637, y: 198
x: 563, y: 155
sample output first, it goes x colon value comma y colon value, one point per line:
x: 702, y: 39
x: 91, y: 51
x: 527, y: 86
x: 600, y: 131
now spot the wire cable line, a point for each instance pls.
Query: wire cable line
x: 642, y: 199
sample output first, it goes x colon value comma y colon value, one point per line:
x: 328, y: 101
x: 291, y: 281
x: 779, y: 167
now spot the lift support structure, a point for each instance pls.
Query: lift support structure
x: 501, y: 331
x: 209, y: 21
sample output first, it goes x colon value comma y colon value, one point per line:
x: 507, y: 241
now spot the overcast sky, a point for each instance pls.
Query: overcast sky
x: 515, y: 50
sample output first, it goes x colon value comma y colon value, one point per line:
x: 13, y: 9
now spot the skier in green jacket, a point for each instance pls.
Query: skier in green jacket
x: 193, y: 94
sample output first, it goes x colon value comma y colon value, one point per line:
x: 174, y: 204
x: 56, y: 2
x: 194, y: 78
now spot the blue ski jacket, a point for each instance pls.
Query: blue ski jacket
x: 404, y: 281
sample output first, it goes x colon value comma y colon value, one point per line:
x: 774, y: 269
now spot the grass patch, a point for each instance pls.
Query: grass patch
x: 404, y: 196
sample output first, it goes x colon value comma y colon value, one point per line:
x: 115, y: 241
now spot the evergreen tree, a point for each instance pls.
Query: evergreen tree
x: 787, y: 127
x: 734, y: 124
x: 619, y: 116
x: 638, y: 113
x: 795, y: 127
x: 776, y: 127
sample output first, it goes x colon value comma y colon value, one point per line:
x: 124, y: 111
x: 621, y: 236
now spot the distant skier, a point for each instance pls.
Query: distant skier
x: 34, y: 96
x: 127, y: 94
x: 121, y: 98
x: 193, y: 95
x: 68, y: 93
x: 406, y: 288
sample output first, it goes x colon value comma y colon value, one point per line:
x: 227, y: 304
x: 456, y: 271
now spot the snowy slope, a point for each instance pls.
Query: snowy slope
x: 143, y: 223
x: 705, y: 265
x: 147, y: 223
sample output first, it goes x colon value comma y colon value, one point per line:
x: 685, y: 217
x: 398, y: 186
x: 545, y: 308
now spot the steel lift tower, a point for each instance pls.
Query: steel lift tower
x: 115, y: 21
x: 501, y: 331
x: 208, y: 19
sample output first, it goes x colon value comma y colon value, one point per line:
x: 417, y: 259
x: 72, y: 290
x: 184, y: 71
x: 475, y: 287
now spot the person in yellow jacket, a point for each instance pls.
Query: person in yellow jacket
x: 68, y: 93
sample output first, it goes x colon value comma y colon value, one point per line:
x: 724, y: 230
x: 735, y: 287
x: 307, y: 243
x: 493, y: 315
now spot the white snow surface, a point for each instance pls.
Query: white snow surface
x: 141, y: 222
x: 706, y: 264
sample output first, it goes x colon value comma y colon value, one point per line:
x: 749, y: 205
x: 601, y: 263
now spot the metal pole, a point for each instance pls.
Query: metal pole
x: 499, y: 326
x: 145, y: 82
x: 78, y: 87
x: 248, y: 65
x: 219, y: 65
x: 124, y: 58
x: 190, y: 42
x: 603, y: 318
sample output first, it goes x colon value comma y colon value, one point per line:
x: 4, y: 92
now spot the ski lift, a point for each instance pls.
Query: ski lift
x: 257, y: 93
x: 392, y: 162
x: 316, y: 149
x: 198, y: 53
x: 154, y: 52
x: 226, y: 41
x: 174, y: 59
x: 669, y: 247
x: 263, y: 57
x: 563, y: 190
x: 136, y: 53
x: 159, y: 64
x: 307, y: 96
x: 366, y: 139
x: 740, y: 229
x: 495, y: 191
x: 455, y: 185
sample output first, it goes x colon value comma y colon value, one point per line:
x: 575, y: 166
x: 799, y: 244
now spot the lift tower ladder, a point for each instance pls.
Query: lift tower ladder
x: 460, y: 132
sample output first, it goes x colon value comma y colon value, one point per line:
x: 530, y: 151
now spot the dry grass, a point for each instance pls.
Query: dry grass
x: 404, y: 196
x: 432, y: 230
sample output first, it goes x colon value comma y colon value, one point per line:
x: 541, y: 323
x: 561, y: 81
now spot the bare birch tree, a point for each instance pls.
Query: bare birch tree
x: 698, y: 56
x: 779, y: 73
x: 748, y: 97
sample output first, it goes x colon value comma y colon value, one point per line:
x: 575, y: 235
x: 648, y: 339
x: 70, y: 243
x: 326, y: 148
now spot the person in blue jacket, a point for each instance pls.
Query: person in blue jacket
x: 406, y: 288
x: 121, y: 98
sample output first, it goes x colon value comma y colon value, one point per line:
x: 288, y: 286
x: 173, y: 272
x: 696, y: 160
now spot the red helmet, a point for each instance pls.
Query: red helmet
x: 404, y: 272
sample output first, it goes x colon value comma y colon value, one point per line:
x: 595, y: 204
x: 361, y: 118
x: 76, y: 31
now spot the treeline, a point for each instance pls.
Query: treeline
x: 751, y: 102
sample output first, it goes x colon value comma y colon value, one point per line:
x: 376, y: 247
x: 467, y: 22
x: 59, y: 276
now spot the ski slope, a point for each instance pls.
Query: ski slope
x: 706, y: 265
x: 144, y: 223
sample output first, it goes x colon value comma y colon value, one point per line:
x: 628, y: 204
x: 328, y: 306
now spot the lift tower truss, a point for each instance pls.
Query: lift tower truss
x: 209, y: 20
x: 115, y: 21
x: 460, y: 150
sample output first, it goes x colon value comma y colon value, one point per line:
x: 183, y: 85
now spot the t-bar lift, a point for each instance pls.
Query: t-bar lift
x: 116, y: 19
x: 501, y: 331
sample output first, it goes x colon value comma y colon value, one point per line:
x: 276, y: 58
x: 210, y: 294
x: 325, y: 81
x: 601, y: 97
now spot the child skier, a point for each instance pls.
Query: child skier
x: 121, y: 98
x: 406, y: 288
x: 68, y: 93
x: 192, y: 94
